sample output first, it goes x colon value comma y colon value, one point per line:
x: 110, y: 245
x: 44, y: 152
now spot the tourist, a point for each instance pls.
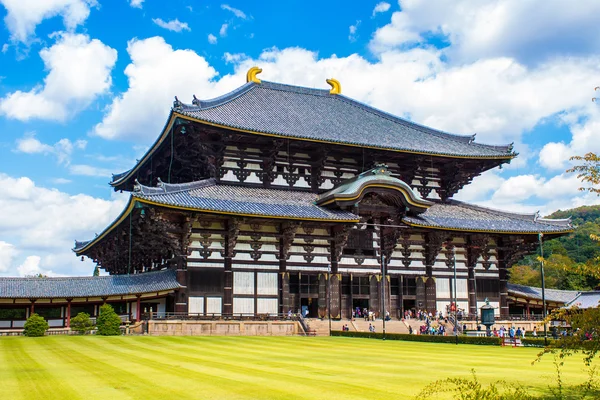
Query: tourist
x: 518, y: 333
x: 523, y: 333
x: 410, y: 330
x: 534, y: 333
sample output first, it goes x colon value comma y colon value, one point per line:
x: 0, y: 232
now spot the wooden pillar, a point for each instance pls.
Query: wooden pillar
x: 32, y: 307
x: 181, y: 304
x: 334, y: 284
x: 430, y: 295
x: 139, y: 309
x: 503, y: 286
x: 374, y: 294
x: 322, y: 303
x: 284, y: 276
x: 472, y: 290
x: 421, y: 296
x: 69, y: 312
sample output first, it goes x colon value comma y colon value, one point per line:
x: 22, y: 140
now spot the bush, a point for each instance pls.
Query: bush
x: 35, y: 326
x: 82, y: 323
x: 108, y: 322
x: 422, y: 338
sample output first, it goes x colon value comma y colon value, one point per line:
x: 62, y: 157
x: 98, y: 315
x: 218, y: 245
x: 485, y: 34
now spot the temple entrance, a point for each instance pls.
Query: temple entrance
x: 309, y: 307
x: 408, y: 305
x: 361, y: 304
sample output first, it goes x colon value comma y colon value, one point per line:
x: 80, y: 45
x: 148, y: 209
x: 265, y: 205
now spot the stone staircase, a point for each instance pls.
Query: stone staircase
x: 392, y: 326
x: 318, y: 327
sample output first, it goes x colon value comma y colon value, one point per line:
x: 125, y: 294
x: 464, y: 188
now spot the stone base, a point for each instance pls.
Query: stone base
x: 222, y: 328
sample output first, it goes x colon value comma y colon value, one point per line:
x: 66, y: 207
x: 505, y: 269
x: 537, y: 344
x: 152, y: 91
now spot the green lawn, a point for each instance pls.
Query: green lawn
x: 252, y: 367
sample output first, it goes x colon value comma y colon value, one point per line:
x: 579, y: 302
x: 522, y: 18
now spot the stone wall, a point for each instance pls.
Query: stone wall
x: 223, y: 328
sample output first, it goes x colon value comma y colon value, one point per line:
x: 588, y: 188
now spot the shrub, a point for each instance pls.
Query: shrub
x: 108, y: 322
x: 82, y: 323
x: 35, y: 326
x: 423, y: 338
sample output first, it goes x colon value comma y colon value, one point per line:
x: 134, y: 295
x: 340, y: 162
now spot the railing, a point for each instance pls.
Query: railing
x: 220, y: 316
x: 510, y: 317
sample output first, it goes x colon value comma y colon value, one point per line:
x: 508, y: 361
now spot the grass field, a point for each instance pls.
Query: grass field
x: 252, y: 367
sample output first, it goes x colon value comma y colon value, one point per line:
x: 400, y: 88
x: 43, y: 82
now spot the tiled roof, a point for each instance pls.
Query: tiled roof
x: 456, y: 215
x: 207, y: 195
x: 532, y: 292
x: 87, y: 286
x: 314, y: 114
x: 585, y: 300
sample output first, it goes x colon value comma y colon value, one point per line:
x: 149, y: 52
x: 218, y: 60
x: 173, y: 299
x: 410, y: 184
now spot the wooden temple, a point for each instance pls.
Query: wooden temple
x: 274, y: 198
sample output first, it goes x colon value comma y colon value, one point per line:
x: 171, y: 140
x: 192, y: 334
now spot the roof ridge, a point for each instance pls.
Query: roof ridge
x: 534, y: 217
x: 58, y: 278
x: 468, y: 139
x: 198, y: 104
x: 164, y: 187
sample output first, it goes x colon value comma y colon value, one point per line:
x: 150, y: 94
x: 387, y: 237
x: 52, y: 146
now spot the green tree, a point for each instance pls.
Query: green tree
x: 82, y: 323
x: 108, y: 322
x: 588, y: 171
x: 35, y: 326
x: 96, y: 271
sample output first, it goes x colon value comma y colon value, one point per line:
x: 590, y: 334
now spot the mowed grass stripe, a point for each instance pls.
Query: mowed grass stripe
x: 253, y: 367
x: 277, y: 383
x: 39, y: 374
x: 166, y: 373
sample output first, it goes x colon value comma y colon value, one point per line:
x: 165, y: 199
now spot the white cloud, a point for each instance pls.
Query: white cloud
x: 45, y: 222
x: 381, y: 8
x: 490, y: 28
x: 352, y: 30
x: 152, y: 85
x: 61, y: 149
x: 69, y: 86
x: 89, y: 170
x: 212, y: 39
x: 497, y: 98
x: 174, y: 25
x: 136, y: 3
x: 61, y: 181
x: 7, y: 254
x: 237, y: 12
x: 22, y: 17
x: 223, y: 30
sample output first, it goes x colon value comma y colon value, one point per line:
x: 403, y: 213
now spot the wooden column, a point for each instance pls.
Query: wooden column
x: 430, y: 295
x: 32, y: 307
x: 181, y: 304
x: 232, y: 229
x: 138, y: 315
x: 471, y: 290
x: 69, y: 312
x: 334, y: 284
x: 288, y: 232
x: 374, y: 294
x: 503, y: 286
x: 421, y: 297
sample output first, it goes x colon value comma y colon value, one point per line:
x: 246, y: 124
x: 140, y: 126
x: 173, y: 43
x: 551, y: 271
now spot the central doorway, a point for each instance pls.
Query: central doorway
x: 361, y: 304
x: 309, y: 307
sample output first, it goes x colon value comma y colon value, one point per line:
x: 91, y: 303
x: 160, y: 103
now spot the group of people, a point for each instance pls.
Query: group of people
x: 512, y: 332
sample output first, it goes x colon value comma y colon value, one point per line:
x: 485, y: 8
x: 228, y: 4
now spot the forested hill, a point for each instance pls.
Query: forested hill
x: 565, y: 253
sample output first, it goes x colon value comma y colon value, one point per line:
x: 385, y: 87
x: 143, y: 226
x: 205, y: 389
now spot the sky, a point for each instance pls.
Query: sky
x: 86, y: 86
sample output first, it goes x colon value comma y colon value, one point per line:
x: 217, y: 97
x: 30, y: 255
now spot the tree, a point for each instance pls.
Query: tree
x: 588, y: 171
x: 96, y: 271
x: 35, y: 326
x: 108, y: 322
x: 82, y: 323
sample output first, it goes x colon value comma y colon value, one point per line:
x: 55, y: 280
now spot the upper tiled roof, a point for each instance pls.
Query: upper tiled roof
x: 207, y: 195
x: 532, y: 292
x: 585, y: 300
x: 315, y: 114
x: 456, y: 215
x: 87, y: 286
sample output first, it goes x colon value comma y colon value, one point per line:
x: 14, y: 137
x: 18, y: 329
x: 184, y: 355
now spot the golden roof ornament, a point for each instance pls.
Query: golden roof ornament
x: 251, y: 75
x: 336, y: 86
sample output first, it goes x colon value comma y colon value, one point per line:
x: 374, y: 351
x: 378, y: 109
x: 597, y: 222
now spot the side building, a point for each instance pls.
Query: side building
x: 274, y: 198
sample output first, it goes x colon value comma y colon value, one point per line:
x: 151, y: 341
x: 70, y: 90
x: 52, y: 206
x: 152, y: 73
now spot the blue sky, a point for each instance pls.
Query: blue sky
x: 85, y: 86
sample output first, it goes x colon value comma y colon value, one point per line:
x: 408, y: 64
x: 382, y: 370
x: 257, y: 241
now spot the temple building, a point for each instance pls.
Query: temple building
x: 275, y: 197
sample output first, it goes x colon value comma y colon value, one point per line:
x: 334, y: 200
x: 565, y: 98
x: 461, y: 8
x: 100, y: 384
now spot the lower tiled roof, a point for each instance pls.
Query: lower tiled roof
x: 532, y: 292
x: 585, y: 300
x: 87, y: 286
x: 207, y: 195
x: 456, y: 215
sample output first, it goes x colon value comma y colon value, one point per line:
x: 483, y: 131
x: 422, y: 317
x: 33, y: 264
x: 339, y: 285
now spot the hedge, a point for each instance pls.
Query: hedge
x: 422, y: 338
